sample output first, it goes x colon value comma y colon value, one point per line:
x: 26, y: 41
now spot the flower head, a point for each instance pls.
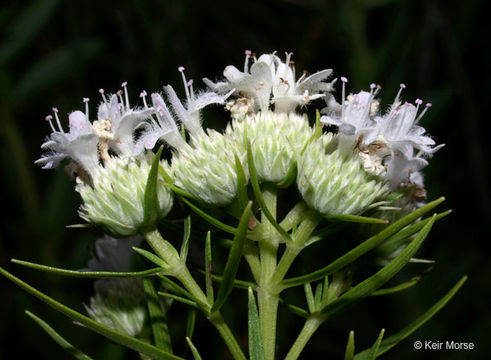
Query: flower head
x: 115, y: 200
x: 269, y: 80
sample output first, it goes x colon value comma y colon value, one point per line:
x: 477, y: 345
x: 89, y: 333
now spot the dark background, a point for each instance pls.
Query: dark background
x: 53, y: 53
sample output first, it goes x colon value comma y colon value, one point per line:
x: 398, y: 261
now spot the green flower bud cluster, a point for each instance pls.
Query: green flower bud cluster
x: 334, y: 184
x: 277, y: 139
x: 206, y: 169
x: 115, y: 199
x: 120, y: 304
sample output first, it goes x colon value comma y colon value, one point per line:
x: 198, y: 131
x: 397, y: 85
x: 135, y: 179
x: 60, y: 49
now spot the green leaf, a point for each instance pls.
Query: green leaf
x: 394, y: 289
x: 171, y: 285
x: 371, y: 284
x: 256, y: 350
x: 151, y: 200
x: 185, y: 241
x: 208, y: 268
x: 309, y: 296
x: 372, y: 354
x: 233, y: 260
x: 195, y: 352
x: 242, y: 196
x: 152, y: 257
x: 290, y: 177
x: 240, y: 284
x: 393, y: 340
x: 259, y: 196
x: 88, y: 274
x: 190, y: 323
x: 179, y: 298
x: 350, y: 346
x: 215, y: 222
x: 363, y: 248
x: 58, y: 338
x: 168, y: 182
x: 356, y: 219
x: 158, y: 319
x: 117, y: 337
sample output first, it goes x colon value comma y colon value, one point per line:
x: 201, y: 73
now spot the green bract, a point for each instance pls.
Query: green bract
x: 114, y: 201
x: 277, y: 139
x: 334, y: 184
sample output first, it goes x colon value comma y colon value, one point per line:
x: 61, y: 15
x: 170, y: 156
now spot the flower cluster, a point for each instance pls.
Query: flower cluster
x: 371, y: 155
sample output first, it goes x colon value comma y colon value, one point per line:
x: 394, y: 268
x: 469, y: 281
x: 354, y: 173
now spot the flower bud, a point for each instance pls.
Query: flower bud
x: 120, y: 304
x: 334, y: 184
x: 277, y: 139
x: 115, y: 200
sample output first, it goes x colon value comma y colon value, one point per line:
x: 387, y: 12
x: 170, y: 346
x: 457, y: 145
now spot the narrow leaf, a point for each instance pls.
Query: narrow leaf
x: 58, y: 338
x: 158, y: 319
x: 168, y: 182
x: 372, y: 354
x: 309, y: 296
x: 117, y: 337
x: 185, y: 241
x: 215, y: 222
x: 88, y: 274
x: 150, y: 199
x: 208, y: 268
x: 152, y: 257
x: 371, y: 284
x: 190, y: 323
x: 394, y: 289
x: 350, y: 346
x: 195, y: 352
x: 256, y: 350
x: 393, y: 340
x: 178, y: 298
x: 363, y: 248
x: 259, y: 196
x: 357, y: 219
x: 233, y: 260
x: 242, y: 196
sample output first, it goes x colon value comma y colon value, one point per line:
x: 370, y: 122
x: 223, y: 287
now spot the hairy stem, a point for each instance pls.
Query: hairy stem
x: 309, y: 328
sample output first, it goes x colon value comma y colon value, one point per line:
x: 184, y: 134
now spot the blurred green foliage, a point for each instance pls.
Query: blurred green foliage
x: 53, y: 53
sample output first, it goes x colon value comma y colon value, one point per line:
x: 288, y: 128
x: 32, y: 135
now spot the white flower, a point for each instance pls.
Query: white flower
x: 402, y: 169
x: 120, y: 121
x: 399, y: 127
x: 79, y: 144
x: 188, y: 114
x: 269, y: 80
x: 288, y: 94
x: 354, y: 116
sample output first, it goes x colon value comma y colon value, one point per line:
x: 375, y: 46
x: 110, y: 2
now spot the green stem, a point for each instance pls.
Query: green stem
x: 268, y: 300
x: 217, y: 320
x: 309, y: 328
x: 179, y: 270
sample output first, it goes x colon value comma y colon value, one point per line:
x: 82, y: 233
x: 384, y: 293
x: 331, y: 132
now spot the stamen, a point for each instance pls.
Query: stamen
x: 143, y: 95
x: 398, y: 96
x: 48, y: 118
x: 246, y: 62
x: 126, y: 97
x: 121, y: 102
x: 343, y: 92
x: 55, y: 111
x: 181, y: 70
x: 86, y: 101
x: 191, y: 90
x: 428, y: 105
x: 101, y: 91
